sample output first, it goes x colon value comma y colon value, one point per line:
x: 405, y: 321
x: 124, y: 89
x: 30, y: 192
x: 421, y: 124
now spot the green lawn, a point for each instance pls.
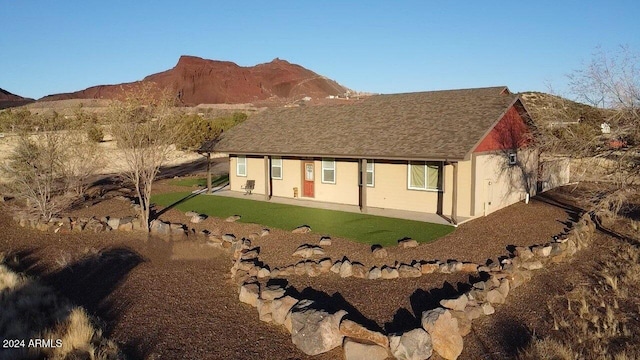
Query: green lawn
x: 359, y: 227
x: 202, y: 182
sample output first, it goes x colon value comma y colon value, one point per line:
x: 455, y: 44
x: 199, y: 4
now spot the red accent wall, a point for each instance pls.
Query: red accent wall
x: 511, y: 132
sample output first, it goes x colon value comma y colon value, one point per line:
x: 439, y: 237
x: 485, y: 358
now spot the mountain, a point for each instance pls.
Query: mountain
x: 8, y: 100
x: 200, y: 81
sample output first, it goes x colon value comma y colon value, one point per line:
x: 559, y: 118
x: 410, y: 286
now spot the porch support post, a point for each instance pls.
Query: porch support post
x: 267, y: 178
x: 363, y: 185
x: 208, y: 173
x: 454, y: 195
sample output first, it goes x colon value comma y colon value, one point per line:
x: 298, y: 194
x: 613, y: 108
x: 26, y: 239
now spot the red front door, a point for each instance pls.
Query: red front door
x: 308, y: 178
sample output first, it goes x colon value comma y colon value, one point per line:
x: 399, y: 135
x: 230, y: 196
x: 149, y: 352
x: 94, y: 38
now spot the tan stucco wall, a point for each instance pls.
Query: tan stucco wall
x: 390, y: 188
x: 498, y: 185
x: 255, y: 171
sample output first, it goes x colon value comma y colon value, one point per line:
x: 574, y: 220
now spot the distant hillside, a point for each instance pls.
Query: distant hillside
x: 8, y: 100
x: 546, y: 108
x: 199, y: 81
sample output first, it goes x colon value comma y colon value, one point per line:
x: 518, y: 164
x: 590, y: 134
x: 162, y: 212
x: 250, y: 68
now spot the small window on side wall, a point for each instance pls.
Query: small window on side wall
x: 241, y: 166
x: 276, y: 168
x: 513, y: 158
x: 329, y: 171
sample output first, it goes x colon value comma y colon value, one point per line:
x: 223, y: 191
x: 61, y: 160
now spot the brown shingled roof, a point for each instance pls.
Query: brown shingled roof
x: 434, y: 125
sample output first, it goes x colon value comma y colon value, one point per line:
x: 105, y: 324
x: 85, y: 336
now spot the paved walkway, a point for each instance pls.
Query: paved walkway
x: 392, y: 213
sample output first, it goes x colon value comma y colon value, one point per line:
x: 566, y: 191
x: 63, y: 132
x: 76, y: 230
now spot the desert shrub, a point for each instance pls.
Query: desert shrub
x: 546, y: 349
x: 31, y: 310
x: 198, y: 129
x: 95, y: 133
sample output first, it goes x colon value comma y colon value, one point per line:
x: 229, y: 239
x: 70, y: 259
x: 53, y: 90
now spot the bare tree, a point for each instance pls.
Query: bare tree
x: 34, y: 173
x: 611, y: 81
x: 82, y: 161
x: 145, y: 127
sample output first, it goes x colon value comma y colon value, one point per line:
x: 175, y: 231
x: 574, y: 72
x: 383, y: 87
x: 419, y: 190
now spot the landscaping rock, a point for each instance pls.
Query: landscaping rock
x: 358, y: 271
x: 335, y: 268
x: 272, y: 292
x: 233, y: 218
x: 487, y: 308
x: 113, y: 223
x: 468, y: 267
x: 380, y: 253
x: 407, y: 243
x: 264, y: 310
x: 191, y: 214
x: 354, y: 350
x: 428, y: 268
x: 249, y: 293
x: 324, y: 265
x: 346, y: 269
x: 458, y: 303
x: 464, y: 323
x: 307, y: 251
x: 389, y: 273
x: 352, y: 329
x: 264, y: 273
x: 280, y: 308
x: 302, y: 229
x: 532, y: 265
x: 495, y: 297
x: 264, y: 232
x: 374, y: 273
x: 196, y: 219
x: 443, y: 329
x: 408, y: 271
x: 412, y: 345
x: 158, y: 227
x: 228, y: 238
x: 325, y: 241
x: 315, y: 331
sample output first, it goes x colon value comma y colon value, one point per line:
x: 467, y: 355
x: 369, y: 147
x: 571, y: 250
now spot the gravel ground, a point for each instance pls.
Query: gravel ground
x: 174, y: 300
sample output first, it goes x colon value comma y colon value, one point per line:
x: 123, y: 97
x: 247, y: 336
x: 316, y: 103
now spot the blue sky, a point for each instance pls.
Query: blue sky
x: 50, y: 47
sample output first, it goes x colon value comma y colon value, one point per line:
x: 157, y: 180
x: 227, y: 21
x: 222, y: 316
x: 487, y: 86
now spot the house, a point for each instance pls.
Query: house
x: 456, y: 153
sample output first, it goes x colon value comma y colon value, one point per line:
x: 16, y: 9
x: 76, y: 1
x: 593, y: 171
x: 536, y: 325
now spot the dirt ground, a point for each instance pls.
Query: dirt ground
x: 174, y: 300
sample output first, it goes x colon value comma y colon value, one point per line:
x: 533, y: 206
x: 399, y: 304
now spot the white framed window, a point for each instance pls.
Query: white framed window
x: 513, y: 158
x: 423, y: 175
x: 241, y: 165
x: 276, y: 168
x: 329, y: 171
x: 370, y: 173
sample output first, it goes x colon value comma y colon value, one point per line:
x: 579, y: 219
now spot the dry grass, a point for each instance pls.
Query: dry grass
x: 31, y: 311
x: 598, y: 318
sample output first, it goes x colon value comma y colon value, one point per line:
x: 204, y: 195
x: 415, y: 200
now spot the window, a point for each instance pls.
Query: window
x: 370, y: 175
x: 241, y: 166
x: 513, y: 158
x: 424, y: 175
x: 276, y: 168
x: 329, y: 171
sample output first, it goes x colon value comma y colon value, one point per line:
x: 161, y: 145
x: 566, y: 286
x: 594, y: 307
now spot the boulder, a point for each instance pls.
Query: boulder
x: 374, y: 273
x: 523, y: 253
x: 358, y: 271
x: 408, y: 271
x: 324, y: 265
x: 233, y: 218
x: 113, y: 223
x: 346, y: 269
x: 249, y: 293
x: 335, y: 268
x: 196, y: 219
x: 469, y: 267
x: 158, y: 227
x: 495, y: 297
x: 280, y: 308
x: 307, y: 251
x: 380, y: 253
x: 354, y: 350
x: 389, y: 273
x: 407, y: 243
x: 464, y: 323
x: 458, y: 303
x: 229, y: 238
x: 264, y: 232
x: 315, y: 331
x: 428, y: 268
x: 325, y: 241
x: 487, y: 308
x: 303, y: 229
x: 352, y: 329
x: 264, y: 310
x: 272, y: 292
x: 532, y: 265
x: 412, y: 345
x: 191, y: 214
x: 444, y: 332
x: 264, y: 273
